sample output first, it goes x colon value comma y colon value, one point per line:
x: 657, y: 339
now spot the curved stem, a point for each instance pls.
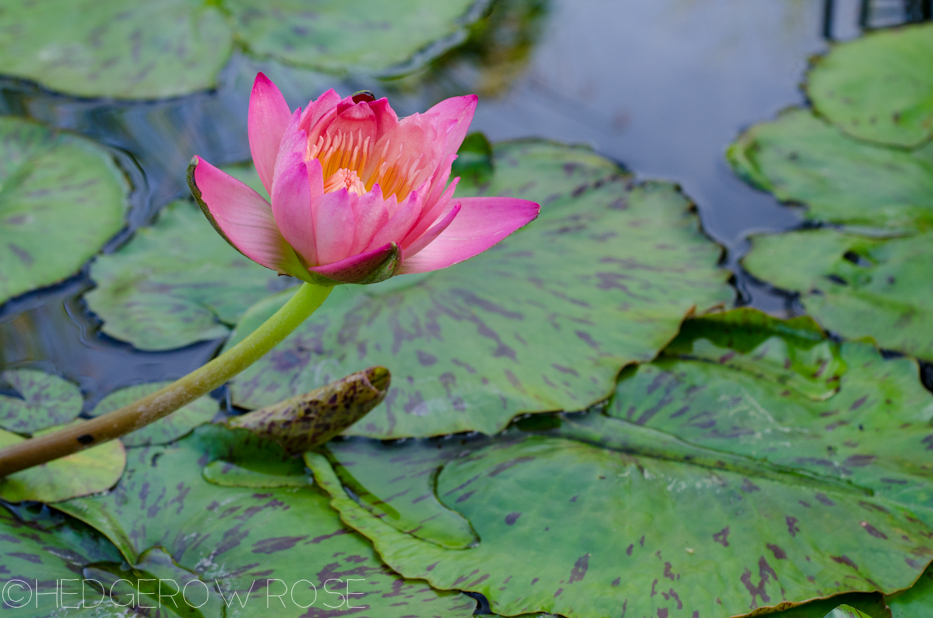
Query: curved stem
x: 166, y: 400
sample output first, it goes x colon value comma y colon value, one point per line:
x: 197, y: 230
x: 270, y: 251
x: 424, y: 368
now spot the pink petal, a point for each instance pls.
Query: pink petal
x: 333, y: 226
x: 370, y: 267
x: 293, y: 147
x: 399, y: 224
x: 291, y: 206
x: 357, y: 124
x: 481, y: 223
x: 268, y: 117
x: 316, y: 110
x: 386, y: 118
x: 371, y: 214
x: 242, y: 217
x: 429, y: 236
x: 413, y: 138
x: 428, y: 218
x: 453, y: 117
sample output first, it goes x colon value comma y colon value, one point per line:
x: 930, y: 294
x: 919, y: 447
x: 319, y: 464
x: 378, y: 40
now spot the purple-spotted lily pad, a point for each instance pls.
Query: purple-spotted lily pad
x: 248, y: 538
x: 31, y: 400
x: 176, y: 283
x: 61, y: 198
x: 543, y: 321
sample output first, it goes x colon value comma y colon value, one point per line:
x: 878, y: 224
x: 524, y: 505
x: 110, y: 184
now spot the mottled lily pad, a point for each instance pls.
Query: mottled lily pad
x: 179, y: 423
x: 856, y: 285
x: 176, y: 283
x: 880, y: 87
x: 149, y: 49
x: 31, y: 400
x: 544, y: 321
x: 61, y: 198
x: 59, y: 549
x: 578, y: 530
x: 243, y: 538
x: 802, y: 159
x: 87, y: 472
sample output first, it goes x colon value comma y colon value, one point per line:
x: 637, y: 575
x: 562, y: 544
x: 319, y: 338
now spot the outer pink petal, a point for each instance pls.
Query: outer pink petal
x: 293, y: 147
x: 242, y: 217
x: 291, y: 206
x: 430, y: 215
x: 369, y: 267
x: 268, y: 117
x: 481, y: 223
x: 333, y: 226
x: 453, y: 117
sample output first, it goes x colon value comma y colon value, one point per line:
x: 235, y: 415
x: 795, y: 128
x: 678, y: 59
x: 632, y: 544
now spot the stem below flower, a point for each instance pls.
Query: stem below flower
x: 166, y: 400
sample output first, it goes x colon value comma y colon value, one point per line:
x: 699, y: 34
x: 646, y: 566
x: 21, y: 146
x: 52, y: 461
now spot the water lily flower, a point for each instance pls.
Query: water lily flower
x: 357, y: 194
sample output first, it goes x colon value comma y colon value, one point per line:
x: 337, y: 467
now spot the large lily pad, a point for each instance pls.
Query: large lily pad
x: 880, y: 87
x: 336, y: 36
x: 856, y: 285
x: 577, y: 530
x: 148, y: 49
x: 87, y: 472
x: 61, y: 198
x: 242, y: 537
x: 35, y: 399
x: 804, y: 160
x: 916, y: 602
x: 176, y: 283
x: 179, y: 423
x: 543, y: 321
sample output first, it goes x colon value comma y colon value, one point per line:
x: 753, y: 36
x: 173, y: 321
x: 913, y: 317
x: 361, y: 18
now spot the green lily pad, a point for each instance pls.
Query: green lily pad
x: 227, y: 474
x: 176, y: 283
x: 36, y: 400
x: 879, y: 88
x: 367, y: 36
x: 87, y: 472
x: 179, y: 423
x: 150, y: 49
x: 61, y: 198
x: 802, y: 159
x: 578, y: 530
x: 156, y: 582
x: 873, y: 433
x: 916, y: 602
x: 114, y: 48
x: 855, y: 285
x: 543, y: 321
x: 58, y: 551
x: 241, y: 537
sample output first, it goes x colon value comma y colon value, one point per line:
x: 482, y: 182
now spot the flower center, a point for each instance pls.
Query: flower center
x: 344, y: 179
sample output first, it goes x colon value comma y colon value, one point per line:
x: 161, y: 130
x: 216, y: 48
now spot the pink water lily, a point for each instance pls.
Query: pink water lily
x: 357, y: 194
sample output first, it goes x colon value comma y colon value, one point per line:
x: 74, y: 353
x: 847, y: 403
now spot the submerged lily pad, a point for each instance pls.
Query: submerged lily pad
x: 54, y: 554
x: 543, y: 321
x: 31, y: 400
x: 179, y: 423
x: 148, y: 49
x: 804, y: 160
x: 880, y: 87
x: 87, y: 472
x: 577, y: 530
x: 856, y: 285
x: 245, y: 539
x: 176, y: 283
x: 61, y: 198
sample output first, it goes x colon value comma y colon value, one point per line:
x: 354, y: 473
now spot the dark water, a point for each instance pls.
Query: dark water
x: 662, y: 87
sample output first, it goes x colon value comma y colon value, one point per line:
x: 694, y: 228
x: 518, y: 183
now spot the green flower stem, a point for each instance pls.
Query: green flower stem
x: 163, y: 402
